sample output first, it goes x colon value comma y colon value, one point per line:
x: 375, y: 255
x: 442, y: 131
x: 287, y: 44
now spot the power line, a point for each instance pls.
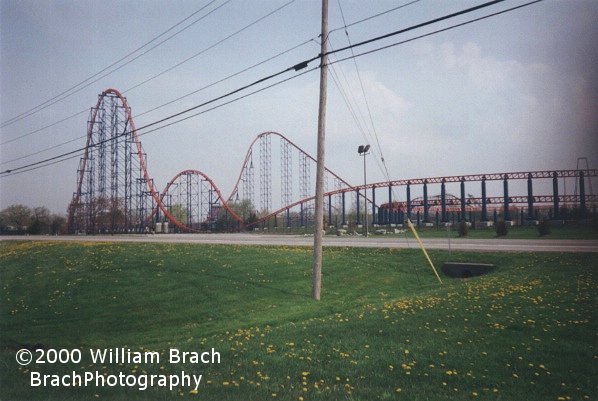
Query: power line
x: 384, y: 167
x: 152, y: 109
x: 296, y: 67
x: 65, y: 94
x: 417, y: 26
x: 78, y: 152
x: 213, y: 100
x: 43, y: 150
x: 354, y: 56
x: 224, y: 79
x: 43, y: 128
x: 191, y: 93
x: 345, y: 26
x: 164, y: 71
x: 437, y: 31
x: 209, y: 47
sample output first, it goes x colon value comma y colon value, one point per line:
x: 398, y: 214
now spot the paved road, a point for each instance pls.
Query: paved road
x: 466, y: 244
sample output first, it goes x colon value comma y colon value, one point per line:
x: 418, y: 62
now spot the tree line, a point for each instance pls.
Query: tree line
x: 21, y: 219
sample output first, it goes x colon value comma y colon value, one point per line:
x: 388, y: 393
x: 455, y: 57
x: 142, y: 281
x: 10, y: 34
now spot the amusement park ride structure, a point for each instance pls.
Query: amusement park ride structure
x: 115, y: 192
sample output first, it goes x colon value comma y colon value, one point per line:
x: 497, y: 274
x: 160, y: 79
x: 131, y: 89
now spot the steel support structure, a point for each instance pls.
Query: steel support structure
x: 462, y: 215
x: 426, y: 204
x: 373, y: 205
x: 555, y: 194
x: 248, y: 181
x: 443, y: 201
x: 265, y: 174
x: 304, y: 176
x: 582, y: 195
x: 530, y: 198
x: 389, y: 211
x: 506, y: 213
x: 484, y: 217
x: 357, y: 219
x: 340, y: 202
x: 115, y: 192
x: 286, y: 178
x: 109, y: 197
x: 408, y: 200
x: 344, y: 219
x: 207, y: 216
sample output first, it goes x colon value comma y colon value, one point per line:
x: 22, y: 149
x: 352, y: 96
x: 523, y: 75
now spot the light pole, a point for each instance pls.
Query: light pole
x: 363, y: 150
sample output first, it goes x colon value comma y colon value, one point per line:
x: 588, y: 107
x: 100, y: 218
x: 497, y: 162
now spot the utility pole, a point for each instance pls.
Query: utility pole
x: 363, y: 151
x: 319, y: 214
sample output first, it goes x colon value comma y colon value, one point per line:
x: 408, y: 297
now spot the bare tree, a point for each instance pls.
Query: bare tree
x: 16, y: 217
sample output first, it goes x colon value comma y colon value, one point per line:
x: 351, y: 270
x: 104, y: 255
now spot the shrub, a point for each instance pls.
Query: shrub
x: 501, y: 228
x: 544, y: 228
x: 463, y: 228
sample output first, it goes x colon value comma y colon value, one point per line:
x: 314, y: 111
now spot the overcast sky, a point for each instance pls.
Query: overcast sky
x: 516, y: 92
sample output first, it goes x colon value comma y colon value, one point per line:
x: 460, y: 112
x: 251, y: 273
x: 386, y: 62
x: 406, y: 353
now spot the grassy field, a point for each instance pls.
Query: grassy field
x: 582, y: 231
x: 384, y: 330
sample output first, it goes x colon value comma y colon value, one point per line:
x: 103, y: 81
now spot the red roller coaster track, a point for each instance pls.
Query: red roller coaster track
x: 158, y: 198
x: 154, y: 193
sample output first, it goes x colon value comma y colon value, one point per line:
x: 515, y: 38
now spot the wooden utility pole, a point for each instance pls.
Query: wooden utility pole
x: 319, y: 213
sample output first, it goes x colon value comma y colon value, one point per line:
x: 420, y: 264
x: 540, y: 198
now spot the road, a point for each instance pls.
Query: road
x: 462, y: 244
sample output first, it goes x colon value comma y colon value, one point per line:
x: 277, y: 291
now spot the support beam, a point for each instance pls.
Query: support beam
x: 462, y: 217
x: 344, y: 219
x: 390, y: 208
x: 484, y: 201
x: 426, y: 203
x: 555, y: 193
x: 582, y: 195
x: 506, y: 213
x: 329, y: 210
x: 408, y: 200
x: 443, y: 201
x: 358, y: 222
x: 530, y: 198
x: 373, y: 205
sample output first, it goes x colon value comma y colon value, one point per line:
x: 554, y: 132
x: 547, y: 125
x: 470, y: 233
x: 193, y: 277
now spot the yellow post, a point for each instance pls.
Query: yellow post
x: 423, y: 249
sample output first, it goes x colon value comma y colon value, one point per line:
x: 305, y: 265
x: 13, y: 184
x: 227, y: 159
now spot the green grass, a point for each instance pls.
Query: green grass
x: 517, y: 232
x: 384, y: 330
x: 571, y: 231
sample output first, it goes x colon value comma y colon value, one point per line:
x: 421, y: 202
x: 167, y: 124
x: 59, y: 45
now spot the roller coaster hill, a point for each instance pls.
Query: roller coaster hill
x: 115, y: 192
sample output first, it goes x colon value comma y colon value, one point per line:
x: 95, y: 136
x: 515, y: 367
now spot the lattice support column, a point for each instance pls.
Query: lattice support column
x: 206, y: 204
x: 304, y: 176
x: 265, y: 173
x: 286, y: 177
x: 248, y: 181
x: 339, y: 203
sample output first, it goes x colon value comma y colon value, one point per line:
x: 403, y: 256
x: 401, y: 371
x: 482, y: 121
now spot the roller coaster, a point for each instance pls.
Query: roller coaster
x: 116, y: 194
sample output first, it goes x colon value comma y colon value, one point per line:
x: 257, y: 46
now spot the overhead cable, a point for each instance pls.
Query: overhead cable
x: 303, y: 64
